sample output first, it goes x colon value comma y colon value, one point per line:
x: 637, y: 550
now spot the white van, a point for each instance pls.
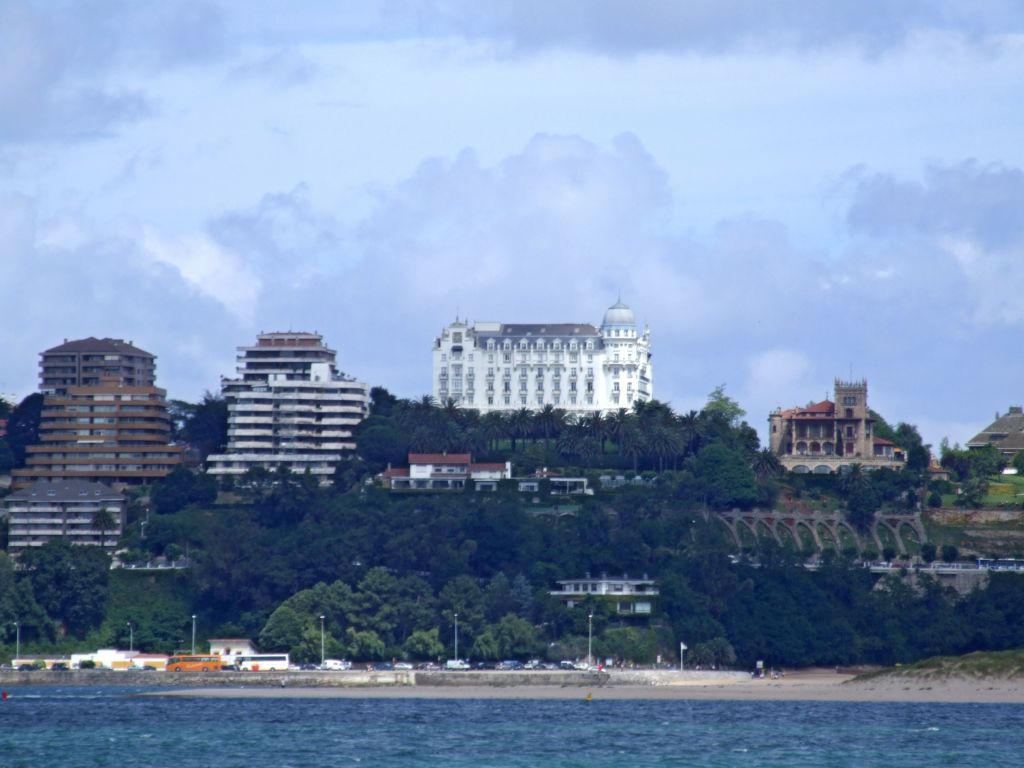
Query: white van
x: 336, y: 665
x: 456, y: 664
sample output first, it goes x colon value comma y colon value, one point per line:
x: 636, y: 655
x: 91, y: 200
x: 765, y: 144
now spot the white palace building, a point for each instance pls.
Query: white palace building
x: 290, y: 407
x: 572, y: 366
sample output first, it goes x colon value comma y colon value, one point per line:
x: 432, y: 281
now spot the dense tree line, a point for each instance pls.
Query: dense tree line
x: 389, y: 572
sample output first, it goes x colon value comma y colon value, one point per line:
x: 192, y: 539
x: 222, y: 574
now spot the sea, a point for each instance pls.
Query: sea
x: 72, y: 727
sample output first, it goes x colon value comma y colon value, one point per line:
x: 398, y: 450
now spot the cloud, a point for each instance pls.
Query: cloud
x: 778, y: 374
x: 58, y: 62
x: 284, y: 67
x: 63, y: 279
x: 959, y: 221
x: 208, y: 269
x: 713, y: 26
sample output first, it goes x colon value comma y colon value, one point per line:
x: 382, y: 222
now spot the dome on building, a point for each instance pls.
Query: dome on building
x: 618, y: 315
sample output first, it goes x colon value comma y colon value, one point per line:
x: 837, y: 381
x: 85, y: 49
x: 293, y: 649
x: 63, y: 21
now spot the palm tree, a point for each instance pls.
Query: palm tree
x: 549, y: 421
x: 766, y: 464
x: 492, y: 426
x: 104, y: 520
x: 692, y: 429
x: 597, y: 427
x: 631, y: 442
x: 520, y: 425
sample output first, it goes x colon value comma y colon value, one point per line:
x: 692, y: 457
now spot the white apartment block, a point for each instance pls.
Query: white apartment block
x: 289, y: 406
x: 63, y: 509
x: 572, y: 366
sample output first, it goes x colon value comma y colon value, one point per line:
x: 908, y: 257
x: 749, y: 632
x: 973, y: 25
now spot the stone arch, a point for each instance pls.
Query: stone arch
x: 786, y: 536
x: 910, y: 538
x: 888, y: 537
x: 801, y: 469
x: 730, y: 527
x: 806, y: 537
x: 763, y: 532
x: 823, y: 469
x: 745, y: 534
x: 826, y: 537
x: 847, y: 536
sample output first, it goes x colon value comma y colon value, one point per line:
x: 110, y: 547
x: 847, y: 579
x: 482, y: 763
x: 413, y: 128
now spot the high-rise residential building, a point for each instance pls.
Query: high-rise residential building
x: 831, y: 436
x: 102, y: 417
x: 289, y: 406
x: 89, y: 362
x: 573, y: 366
x: 81, y: 512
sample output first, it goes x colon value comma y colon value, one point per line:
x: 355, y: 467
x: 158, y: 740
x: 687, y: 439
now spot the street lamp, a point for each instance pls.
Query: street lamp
x: 131, y: 637
x: 682, y: 648
x: 321, y: 641
x: 590, y: 639
x: 456, y: 637
x: 193, y: 634
x: 17, y: 639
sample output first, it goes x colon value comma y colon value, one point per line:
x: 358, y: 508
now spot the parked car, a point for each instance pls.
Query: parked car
x: 456, y: 664
x: 336, y: 665
x: 403, y: 665
x: 511, y: 664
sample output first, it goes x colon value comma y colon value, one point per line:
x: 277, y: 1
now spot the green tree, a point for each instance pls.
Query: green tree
x: 206, y: 427
x: 70, y: 583
x: 726, y: 476
x: 23, y: 426
x: 950, y: 553
x: 283, y: 630
x: 365, y: 645
x: 928, y: 552
x: 721, y: 406
x: 424, y: 644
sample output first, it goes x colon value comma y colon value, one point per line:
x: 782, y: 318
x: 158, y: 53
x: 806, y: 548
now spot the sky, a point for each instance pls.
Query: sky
x: 786, y: 192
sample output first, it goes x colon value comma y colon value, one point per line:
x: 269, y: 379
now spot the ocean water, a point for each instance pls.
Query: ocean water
x: 113, y: 727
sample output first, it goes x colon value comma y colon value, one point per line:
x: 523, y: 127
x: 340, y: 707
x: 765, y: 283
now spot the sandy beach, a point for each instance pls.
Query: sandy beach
x: 812, y: 685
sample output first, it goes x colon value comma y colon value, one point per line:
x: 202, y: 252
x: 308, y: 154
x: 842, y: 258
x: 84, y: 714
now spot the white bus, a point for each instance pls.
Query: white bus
x: 262, y: 662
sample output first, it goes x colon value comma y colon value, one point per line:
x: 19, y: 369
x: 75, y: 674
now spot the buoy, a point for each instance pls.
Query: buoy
x: 589, y: 697
x: 3, y: 695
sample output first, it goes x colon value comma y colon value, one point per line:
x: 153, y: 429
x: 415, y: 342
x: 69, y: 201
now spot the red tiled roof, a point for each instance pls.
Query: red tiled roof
x: 440, y: 458
x: 492, y: 467
x: 396, y: 472
x: 883, y: 441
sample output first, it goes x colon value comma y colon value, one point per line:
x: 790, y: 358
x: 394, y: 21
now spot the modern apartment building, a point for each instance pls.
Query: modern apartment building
x: 108, y: 432
x: 830, y: 436
x: 90, y: 362
x: 573, y: 366
x: 290, y: 407
x: 66, y: 509
x: 103, y: 418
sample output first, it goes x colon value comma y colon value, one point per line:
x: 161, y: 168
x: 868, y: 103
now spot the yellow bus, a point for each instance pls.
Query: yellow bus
x: 190, y: 663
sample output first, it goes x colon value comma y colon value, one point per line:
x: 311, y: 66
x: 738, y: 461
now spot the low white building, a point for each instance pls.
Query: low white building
x: 445, y: 472
x: 631, y: 597
x: 289, y: 407
x: 230, y: 648
x: 572, y: 366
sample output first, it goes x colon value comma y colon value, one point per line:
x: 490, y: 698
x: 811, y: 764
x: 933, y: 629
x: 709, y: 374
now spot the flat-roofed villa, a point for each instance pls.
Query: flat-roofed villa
x: 631, y: 597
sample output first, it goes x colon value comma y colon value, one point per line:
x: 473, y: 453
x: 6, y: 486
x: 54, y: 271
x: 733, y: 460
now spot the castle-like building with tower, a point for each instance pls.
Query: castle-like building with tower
x: 576, y: 367
x: 832, y: 436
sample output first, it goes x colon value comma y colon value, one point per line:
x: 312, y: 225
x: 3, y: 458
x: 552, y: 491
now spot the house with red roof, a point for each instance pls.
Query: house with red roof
x: 445, y: 472
x: 830, y: 436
